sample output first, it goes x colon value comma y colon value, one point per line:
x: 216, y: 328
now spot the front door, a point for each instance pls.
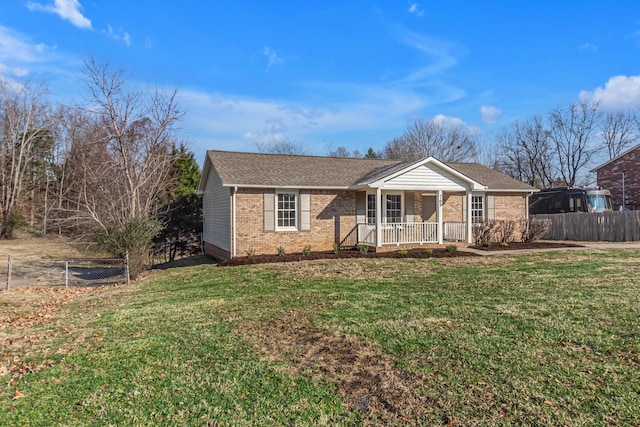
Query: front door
x: 429, y: 209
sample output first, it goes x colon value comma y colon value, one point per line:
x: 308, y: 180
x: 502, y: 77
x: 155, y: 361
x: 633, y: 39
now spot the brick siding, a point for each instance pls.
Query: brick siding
x: 333, y: 216
x: 609, y: 177
x: 215, y: 251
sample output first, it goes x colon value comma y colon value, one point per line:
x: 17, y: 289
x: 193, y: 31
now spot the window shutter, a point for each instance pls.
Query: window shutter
x: 361, y: 207
x: 408, y: 206
x: 269, y: 212
x: 305, y: 212
x: 491, y: 210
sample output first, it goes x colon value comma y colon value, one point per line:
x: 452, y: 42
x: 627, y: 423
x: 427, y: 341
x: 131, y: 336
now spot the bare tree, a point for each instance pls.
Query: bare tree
x: 120, y: 161
x: 526, y: 153
x: 284, y: 146
x: 571, y: 129
x: 619, y: 131
x: 137, y: 130
x: 443, y: 139
x: 342, y: 151
x: 399, y: 148
x: 24, y: 120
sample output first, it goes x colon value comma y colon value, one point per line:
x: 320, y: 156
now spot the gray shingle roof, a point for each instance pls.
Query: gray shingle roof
x: 278, y: 170
x: 491, y: 178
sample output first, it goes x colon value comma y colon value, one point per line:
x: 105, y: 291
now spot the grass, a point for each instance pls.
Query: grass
x: 545, y: 339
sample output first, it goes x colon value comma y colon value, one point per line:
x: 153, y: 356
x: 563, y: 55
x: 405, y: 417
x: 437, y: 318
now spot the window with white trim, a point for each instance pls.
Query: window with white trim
x: 393, y: 208
x: 371, y: 208
x: 287, y: 211
x: 477, y: 208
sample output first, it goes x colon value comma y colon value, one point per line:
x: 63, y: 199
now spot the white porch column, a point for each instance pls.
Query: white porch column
x: 378, y: 217
x: 439, y: 203
x: 469, y: 225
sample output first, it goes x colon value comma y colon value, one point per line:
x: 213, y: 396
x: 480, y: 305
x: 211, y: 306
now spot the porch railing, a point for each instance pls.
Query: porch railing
x: 409, y: 232
x: 405, y: 233
x: 455, y: 231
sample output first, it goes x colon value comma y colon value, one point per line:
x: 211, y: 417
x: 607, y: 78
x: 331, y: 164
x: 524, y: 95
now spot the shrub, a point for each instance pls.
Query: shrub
x: 336, y: 248
x: 428, y: 251
x: 403, y: 252
x: 13, y: 221
x: 250, y: 253
x: 306, y: 251
x: 505, y: 231
x: 134, y: 237
x: 534, y: 229
x: 486, y: 244
x: 504, y: 244
x: 483, y: 231
x: 451, y: 248
x: 363, y: 248
x: 281, y: 251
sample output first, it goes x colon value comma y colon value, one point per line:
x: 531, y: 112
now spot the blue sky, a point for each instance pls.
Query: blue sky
x: 335, y: 73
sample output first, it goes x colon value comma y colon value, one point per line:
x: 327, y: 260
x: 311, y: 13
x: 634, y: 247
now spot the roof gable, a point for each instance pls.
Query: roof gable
x: 616, y: 158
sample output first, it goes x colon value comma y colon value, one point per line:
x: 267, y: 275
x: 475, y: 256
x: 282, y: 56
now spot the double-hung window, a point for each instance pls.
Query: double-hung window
x: 477, y: 208
x: 287, y: 211
x: 393, y: 208
x: 371, y: 208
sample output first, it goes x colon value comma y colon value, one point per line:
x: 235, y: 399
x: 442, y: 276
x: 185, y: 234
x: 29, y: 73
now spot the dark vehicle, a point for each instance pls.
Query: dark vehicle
x: 569, y: 199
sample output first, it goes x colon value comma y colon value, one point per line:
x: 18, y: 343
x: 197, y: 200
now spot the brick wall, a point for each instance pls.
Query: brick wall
x: 609, y: 177
x: 215, y: 251
x: 508, y: 206
x: 333, y: 216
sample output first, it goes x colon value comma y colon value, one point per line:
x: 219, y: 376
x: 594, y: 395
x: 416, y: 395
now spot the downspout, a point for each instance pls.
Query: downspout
x: 233, y: 214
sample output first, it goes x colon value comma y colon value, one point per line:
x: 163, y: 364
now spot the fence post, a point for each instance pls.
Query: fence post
x: 126, y: 265
x: 66, y: 274
x: 9, y: 273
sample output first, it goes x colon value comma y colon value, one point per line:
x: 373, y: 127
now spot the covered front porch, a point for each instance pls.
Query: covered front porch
x: 414, y: 218
x: 426, y: 202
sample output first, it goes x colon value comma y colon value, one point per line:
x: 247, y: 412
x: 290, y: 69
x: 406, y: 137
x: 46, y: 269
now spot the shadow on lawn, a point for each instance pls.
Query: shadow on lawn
x: 190, y: 261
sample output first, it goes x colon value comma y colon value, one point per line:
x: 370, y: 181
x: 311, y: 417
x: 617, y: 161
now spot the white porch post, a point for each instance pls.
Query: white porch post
x: 439, y: 203
x: 469, y: 225
x: 378, y: 217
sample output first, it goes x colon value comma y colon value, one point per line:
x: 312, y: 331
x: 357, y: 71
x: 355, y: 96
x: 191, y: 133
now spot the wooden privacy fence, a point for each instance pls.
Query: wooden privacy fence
x: 616, y: 226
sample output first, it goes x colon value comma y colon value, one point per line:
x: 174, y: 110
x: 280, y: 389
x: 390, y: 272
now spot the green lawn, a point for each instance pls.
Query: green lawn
x: 545, y: 339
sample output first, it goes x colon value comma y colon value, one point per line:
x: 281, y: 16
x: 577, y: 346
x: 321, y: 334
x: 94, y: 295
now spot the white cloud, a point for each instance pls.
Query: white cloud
x: 440, y: 57
x: 619, y: 92
x: 69, y: 10
x: 489, y: 114
x: 17, y: 54
x: 415, y: 9
x: 119, y: 35
x: 272, y: 56
x: 588, y: 46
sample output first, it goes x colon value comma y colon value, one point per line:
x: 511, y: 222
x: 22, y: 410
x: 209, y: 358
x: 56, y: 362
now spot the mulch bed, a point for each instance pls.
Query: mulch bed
x: 410, y: 253
x: 528, y: 245
x: 348, y: 253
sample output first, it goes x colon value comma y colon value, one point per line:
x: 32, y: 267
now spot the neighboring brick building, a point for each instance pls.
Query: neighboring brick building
x: 260, y: 202
x: 622, y: 174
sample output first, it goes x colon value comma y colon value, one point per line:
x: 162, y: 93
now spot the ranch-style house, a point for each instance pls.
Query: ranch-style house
x: 257, y: 203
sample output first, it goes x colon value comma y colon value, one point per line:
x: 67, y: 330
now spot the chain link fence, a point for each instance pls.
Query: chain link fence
x: 80, y: 272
